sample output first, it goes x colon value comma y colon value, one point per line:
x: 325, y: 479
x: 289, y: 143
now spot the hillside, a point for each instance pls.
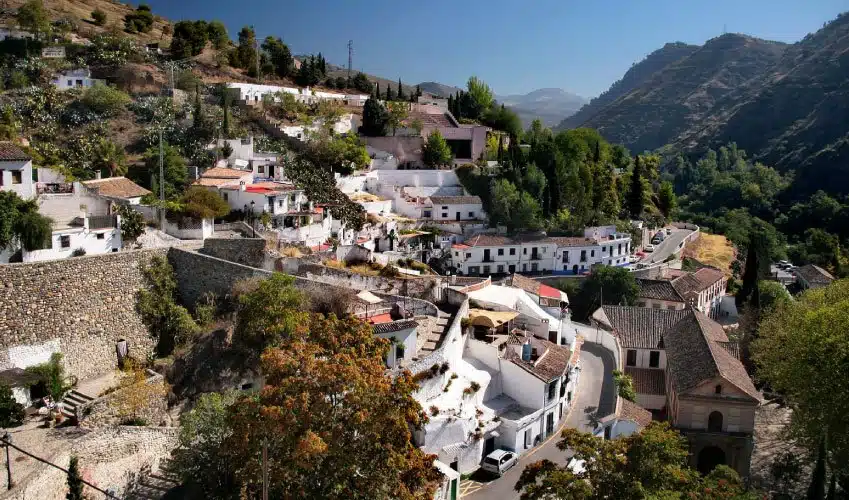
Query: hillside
x: 636, y: 76
x: 439, y: 89
x: 687, y: 93
x: 549, y: 105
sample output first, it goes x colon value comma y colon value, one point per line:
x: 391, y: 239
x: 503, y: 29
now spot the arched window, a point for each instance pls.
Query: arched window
x: 715, y: 421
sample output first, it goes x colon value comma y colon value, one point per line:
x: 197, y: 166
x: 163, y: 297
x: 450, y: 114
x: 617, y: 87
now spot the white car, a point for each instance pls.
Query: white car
x: 577, y: 466
x: 668, y: 230
x: 648, y: 248
x: 499, y: 461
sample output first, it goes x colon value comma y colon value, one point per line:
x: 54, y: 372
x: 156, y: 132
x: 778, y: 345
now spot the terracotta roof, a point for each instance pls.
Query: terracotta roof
x: 492, y: 240
x: 534, y: 287
x: 215, y: 182
x: 460, y: 246
x: 116, y: 187
x: 224, y: 173
x: 11, y: 152
x: 698, y: 281
x: 658, y: 290
x: 430, y: 119
x: 648, y: 380
x: 732, y: 347
x: 572, y: 241
x: 455, y: 200
x: 639, y: 327
x: 634, y: 412
x: 489, y: 240
x: 394, y: 326
x: 694, y: 355
x: 815, y: 276
x: 551, y: 363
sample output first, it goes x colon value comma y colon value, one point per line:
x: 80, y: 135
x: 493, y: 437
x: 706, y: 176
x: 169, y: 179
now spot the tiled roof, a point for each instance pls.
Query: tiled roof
x: 215, y: 182
x: 648, y: 380
x: 698, y: 281
x: 11, y: 152
x: 455, y: 200
x: 116, y: 187
x: 551, y: 363
x: 639, y: 327
x: 224, y: 173
x: 634, y: 412
x: 430, y: 119
x: 658, y: 290
x: 493, y: 240
x: 534, y: 286
x: 732, y: 347
x: 814, y: 275
x: 489, y: 240
x: 395, y: 326
x: 695, y: 354
x: 572, y: 241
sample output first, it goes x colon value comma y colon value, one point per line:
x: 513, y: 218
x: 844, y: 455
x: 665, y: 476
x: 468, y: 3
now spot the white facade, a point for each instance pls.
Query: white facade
x: 16, y: 176
x: 454, y: 211
x: 254, y: 93
x: 403, y: 348
x: 65, y: 241
x: 74, y: 79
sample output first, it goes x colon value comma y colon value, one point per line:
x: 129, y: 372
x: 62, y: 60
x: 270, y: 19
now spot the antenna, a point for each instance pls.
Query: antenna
x: 350, y: 59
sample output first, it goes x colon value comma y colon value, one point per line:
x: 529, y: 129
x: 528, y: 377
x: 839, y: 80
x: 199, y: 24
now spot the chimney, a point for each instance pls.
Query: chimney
x: 242, y: 186
x: 526, y: 350
x: 97, y: 175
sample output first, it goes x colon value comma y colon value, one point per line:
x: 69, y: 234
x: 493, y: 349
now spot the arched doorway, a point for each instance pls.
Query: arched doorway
x: 715, y: 421
x: 709, y: 458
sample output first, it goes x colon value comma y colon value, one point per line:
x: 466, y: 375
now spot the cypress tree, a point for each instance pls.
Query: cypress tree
x: 418, y: 91
x: 389, y: 96
x: 832, y: 487
x: 816, y: 491
x: 400, y: 91
x: 636, y: 195
x: 75, y: 484
x: 225, y: 125
x: 377, y: 91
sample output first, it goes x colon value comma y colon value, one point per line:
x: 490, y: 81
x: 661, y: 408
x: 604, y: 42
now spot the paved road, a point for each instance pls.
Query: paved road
x: 667, y: 247
x: 595, y: 391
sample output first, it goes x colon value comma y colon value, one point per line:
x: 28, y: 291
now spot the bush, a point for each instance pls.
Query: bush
x: 390, y: 271
x: 104, y: 100
x: 99, y: 17
x: 79, y: 252
x: 206, y: 309
x: 434, y: 410
x: 201, y: 203
x: 141, y: 20
x: 52, y: 374
x: 132, y: 223
x: 134, y: 421
x: 11, y: 412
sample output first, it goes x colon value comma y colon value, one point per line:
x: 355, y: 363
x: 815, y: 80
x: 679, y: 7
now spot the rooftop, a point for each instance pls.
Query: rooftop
x: 494, y: 240
x: 551, y: 361
x: 815, y: 276
x: 658, y: 290
x: 116, y: 187
x: 395, y: 326
x: 648, y: 380
x: 535, y: 287
x: 455, y: 200
x: 634, y: 412
x: 639, y: 327
x: 697, y: 281
x: 12, y: 152
x: 224, y: 173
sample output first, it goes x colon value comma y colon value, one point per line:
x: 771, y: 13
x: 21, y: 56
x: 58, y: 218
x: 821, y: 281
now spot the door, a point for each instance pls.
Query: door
x: 457, y: 217
x: 552, y: 337
x: 486, y: 255
x: 488, y: 446
x: 511, y: 269
x: 549, y: 424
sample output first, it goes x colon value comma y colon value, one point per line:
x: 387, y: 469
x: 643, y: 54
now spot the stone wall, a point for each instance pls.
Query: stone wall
x: 79, y: 307
x: 198, y: 274
x: 423, y: 287
x: 110, y: 458
x: 148, y: 396
x: 247, y: 251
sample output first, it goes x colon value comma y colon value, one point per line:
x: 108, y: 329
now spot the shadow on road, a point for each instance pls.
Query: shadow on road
x: 607, y: 399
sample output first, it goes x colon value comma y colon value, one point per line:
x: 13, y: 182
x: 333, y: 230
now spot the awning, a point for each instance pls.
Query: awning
x: 368, y: 297
x: 490, y: 319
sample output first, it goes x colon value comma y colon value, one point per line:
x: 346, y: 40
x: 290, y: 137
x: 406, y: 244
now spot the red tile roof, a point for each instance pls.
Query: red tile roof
x: 548, y: 291
x: 11, y: 152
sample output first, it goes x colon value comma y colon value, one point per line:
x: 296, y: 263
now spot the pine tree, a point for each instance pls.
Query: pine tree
x: 636, y: 194
x: 751, y: 273
x: 418, y: 91
x: 450, y: 104
x: 400, y: 91
x: 389, y: 96
x: 377, y: 91
x: 75, y: 483
x: 198, y: 119
x: 322, y: 65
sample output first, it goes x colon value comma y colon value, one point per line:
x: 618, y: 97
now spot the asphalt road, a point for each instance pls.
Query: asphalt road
x: 667, y: 247
x: 595, y: 392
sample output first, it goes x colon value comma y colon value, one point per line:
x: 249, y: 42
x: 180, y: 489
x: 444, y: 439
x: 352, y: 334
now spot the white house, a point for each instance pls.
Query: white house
x: 403, y: 336
x: 74, y: 79
x: 674, y: 289
x: 253, y: 94
x: 118, y: 189
x: 245, y: 157
x: 16, y: 171
x: 456, y: 208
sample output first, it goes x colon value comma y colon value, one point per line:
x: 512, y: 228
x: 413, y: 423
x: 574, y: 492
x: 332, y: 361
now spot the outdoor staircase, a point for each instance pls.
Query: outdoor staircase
x: 154, y: 485
x: 434, y: 337
x: 71, y: 401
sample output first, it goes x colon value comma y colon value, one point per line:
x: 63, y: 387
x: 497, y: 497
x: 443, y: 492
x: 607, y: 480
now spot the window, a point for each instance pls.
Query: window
x: 426, y: 214
x: 552, y: 391
x: 468, y: 255
x: 524, y: 251
x: 471, y: 215
x: 101, y: 236
x: 641, y: 304
x: 631, y: 358
x: 500, y: 269
x: 715, y: 421
x: 457, y: 254
x: 512, y: 251
x: 226, y: 196
x: 486, y: 269
x: 444, y: 215
x: 566, y: 257
x: 65, y: 241
x: 500, y: 251
x: 399, y: 352
x: 79, y: 83
x: 279, y: 203
x: 70, y: 83
x: 260, y: 169
x: 655, y: 306
x: 671, y: 308
x: 718, y: 389
x: 534, y: 267
x: 474, y: 270
x: 592, y: 253
x: 528, y: 438
x: 444, y: 208
x: 583, y: 255
x: 654, y: 359
x: 17, y: 177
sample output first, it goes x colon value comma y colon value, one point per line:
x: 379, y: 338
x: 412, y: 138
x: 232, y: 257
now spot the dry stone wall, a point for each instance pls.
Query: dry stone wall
x: 247, y: 251
x: 79, y: 307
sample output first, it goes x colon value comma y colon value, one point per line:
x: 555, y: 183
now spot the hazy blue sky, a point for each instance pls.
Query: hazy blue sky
x: 515, y: 46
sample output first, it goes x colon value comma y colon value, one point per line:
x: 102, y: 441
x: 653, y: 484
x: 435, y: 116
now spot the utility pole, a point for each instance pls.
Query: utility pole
x: 7, y: 438
x: 161, y: 184
x: 350, y: 59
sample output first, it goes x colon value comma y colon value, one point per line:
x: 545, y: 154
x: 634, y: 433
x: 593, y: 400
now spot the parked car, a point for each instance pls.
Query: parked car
x: 648, y: 248
x: 500, y: 461
x: 668, y: 230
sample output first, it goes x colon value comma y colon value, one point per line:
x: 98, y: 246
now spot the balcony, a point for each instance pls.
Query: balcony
x: 102, y: 221
x: 55, y: 187
x: 536, y: 256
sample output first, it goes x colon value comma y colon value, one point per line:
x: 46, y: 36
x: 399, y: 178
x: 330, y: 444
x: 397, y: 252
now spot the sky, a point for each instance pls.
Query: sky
x: 515, y: 46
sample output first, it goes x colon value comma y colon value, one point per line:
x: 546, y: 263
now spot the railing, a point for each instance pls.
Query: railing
x: 102, y: 221
x: 55, y: 187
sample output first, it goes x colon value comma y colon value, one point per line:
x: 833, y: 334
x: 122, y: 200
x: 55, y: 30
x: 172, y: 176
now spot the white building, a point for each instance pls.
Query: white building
x: 16, y: 171
x: 74, y: 79
x: 675, y: 289
x: 245, y: 157
x: 403, y: 336
x: 118, y: 189
x: 253, y: 94
x: 455, y: 208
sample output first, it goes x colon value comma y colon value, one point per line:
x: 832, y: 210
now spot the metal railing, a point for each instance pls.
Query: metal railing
x: 55, y: 187
x: 102, y: 221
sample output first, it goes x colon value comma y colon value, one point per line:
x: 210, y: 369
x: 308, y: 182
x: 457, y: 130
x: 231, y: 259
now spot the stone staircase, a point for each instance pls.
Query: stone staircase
x: 154, y: 485
x: 71, y: 401
x: 434, y: 337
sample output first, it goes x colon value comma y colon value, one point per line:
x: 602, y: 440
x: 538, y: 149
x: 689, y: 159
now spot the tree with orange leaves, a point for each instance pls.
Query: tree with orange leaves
x: 335, y: 424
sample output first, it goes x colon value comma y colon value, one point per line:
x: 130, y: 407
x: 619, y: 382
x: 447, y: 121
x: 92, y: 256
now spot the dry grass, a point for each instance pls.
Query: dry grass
x: 293, y: 252
x: 712, y: 249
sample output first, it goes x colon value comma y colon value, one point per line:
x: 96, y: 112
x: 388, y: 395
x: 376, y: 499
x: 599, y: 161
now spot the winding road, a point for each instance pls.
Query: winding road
x: 667, y: 247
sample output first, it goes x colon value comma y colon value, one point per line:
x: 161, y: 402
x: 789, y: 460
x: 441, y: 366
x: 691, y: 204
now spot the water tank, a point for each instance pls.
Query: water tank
x: 526, y: 351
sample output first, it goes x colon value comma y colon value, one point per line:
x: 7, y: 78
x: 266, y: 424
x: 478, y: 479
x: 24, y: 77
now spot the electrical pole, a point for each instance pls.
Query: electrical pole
x: 7, y: 438
x: 161, y: 184
x: 350, y: 59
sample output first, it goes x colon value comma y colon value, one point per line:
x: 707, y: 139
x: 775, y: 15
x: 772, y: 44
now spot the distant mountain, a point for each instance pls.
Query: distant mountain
x: 549, y: 105
x: 438, y: 89
x: 636, y: 76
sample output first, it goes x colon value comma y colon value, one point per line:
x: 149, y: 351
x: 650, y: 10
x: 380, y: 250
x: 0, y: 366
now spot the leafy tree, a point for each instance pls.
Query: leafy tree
x: 649, y: 464
x: 504, y: 119
x: 269, y: 314
x: 11, y: 412
x: 109, y: 157
x: 189, y: 39
x: 132, y: 223
x: 104, y: 100
x: 332, y: 370
x: 32, y: 17
x: 341, y: 154
x: 168, y: 322
x: 140, y: 20
x: 21, y: 224
x: 397, y: 114
x: 510, y: 207
x: 75, y: 483
x: 201, y: 203
x: 217, y: 34
x: 435, y: 152
x: 176, y: 175
x: 52, y: 373
x: 772, y: 294
x: 279, y: 55
x: 624, y: 385
x: 605, y: 285
x: 667, y: 203
x: 481, y: 94
x: 246, y: 55
x: 806, y: 369
x: 636, y: 195
x: 361, y: 82
x: 226, y: 150
x: 99, y: 17
x: 33, y: 230
x: 375, y: 119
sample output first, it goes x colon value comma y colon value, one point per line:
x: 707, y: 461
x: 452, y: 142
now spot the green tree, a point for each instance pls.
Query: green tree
x: 99, y: 17
x: 168, y: 322
x: 176, y: 175
x: 104, y: 100
x: 21, y: 224
x: 667, y: 203
x: 435, y: 152
x: 201, y: 203
x: 397, y: 114
x: 481, y: 94
x: 52, y: 374
x: 389, y: 95
x: 11, y: 412
x: 807, y: 369
x: 246, y: 54
x: 189, y: 39
x: 279, y: 55
x: 132, y: 223
x: 140, y: 20
x: 624, y: 385
x: 361, y: 82
x: 636, y: 195
x: 772, y: 294
x: 33, y: 17
x: 606, y: 285
x: 270, y: 313
x: 217, y: 34
x: 75, y: 482
x: 108, y: 157
x: 400, y: 95
x: 375, y: 119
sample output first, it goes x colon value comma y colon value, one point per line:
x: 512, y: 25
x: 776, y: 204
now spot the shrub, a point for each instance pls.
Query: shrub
x: 79, y: 252
x: 448, y: 385
x: 205, y: 309
x: 201, y: 203
x: 53, y: 375
x: 167, y: 321
x: 140, y: 20
x: 134, y: 421
x: 104, y: 100
x: 625, y: 386
x: 475, y: 386
x: 434, y: 410
x: 132, y: 223
x: 11, y: 412
x: 390, y: 271
x: 434, y: 369
x: 99, y: 17
x: 443, y: 368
